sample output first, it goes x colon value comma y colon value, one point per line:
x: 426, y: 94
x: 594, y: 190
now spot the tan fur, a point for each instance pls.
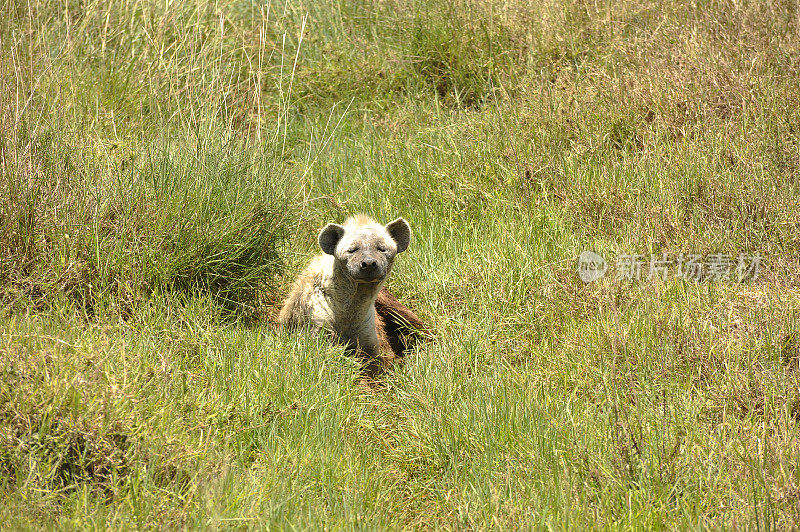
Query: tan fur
x: 359, y: 220
x: 326, y: 297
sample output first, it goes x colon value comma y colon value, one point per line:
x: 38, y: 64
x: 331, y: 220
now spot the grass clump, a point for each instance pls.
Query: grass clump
x: 168, y: 220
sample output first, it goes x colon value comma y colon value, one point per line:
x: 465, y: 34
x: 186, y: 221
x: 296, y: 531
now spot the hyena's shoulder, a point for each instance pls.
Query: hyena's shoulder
x: 300, y: 304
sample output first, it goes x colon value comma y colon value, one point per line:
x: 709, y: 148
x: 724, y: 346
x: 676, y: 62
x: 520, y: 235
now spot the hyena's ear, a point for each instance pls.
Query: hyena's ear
x: 329, y: 237
x: 400, y: 232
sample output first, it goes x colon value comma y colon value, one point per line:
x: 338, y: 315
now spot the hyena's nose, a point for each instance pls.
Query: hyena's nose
x: 369, y: 264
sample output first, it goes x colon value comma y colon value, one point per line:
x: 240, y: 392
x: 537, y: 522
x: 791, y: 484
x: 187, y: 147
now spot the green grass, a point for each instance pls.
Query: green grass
x: 164, y: 170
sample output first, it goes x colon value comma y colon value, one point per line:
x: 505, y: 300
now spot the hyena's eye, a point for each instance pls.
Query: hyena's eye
x: 382, y: 249
x: 352, y: 249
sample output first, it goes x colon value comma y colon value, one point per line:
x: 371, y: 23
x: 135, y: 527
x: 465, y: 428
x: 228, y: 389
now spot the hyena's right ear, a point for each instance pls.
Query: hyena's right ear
x: 329, y: 237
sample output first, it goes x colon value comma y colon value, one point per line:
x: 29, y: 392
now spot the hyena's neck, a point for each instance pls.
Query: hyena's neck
x: 354, y: 301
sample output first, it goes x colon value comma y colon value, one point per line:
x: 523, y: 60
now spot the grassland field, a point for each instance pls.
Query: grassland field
x: 164, y: 170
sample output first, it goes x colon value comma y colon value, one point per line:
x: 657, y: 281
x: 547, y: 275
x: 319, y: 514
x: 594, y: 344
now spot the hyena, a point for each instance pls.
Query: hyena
x: 337, y: 291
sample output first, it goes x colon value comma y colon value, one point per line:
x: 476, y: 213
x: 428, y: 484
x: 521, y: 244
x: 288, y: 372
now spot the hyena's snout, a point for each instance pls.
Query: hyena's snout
x: 369, y: 267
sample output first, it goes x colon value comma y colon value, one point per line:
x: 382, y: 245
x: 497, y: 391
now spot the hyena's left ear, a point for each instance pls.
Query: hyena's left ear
x: 400, y: 232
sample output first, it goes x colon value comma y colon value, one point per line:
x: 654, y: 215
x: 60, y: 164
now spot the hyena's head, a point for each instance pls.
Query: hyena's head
x: 363, y: 248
